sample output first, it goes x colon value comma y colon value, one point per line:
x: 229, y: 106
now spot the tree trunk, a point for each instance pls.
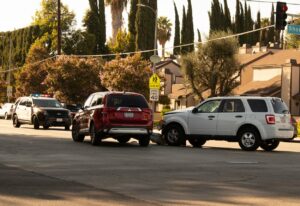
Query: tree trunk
x: 163, y: 50
x: 117, y: 21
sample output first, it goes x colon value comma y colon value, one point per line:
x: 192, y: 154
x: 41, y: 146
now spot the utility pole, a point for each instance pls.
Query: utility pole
x: 58, y: 28
x: 9, y: 87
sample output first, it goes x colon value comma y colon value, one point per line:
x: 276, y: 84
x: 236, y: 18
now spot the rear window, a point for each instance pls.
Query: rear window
x: 126, y: 100
x: 257, y: 105
x: 279, y: 106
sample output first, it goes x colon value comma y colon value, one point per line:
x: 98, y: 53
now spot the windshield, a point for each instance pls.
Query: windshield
x: 47, y: 103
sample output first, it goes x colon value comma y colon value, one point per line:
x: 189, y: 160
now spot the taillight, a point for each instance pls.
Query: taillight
x: 270, y: 119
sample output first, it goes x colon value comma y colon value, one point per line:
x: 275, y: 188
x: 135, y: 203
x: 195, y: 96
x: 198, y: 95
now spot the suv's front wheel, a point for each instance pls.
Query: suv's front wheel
x: 16, y: 122
x: 144, y: 141
x: 95, y: 137
x: 249, y: 139
x: 197, y: 142
x: 76, y: 136
x: 174, y: 135
x: 36, y: 124
x: 269, y: 145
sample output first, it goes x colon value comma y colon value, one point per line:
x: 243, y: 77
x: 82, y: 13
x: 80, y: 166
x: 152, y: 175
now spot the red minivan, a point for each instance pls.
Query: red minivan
x: 118, y: 115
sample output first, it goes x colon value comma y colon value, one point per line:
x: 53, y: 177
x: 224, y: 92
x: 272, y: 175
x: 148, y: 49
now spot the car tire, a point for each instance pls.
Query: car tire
x: 144, y: 141
x: 249, y: 139
x: 6, y: 116
x: 67, y: 127
x: 269, y: 145
x: 197, y: 142
x: 123, y: 140
x: 16, y: 122
x: 46, y: 126
x: 95, y: 137
x: 36, y: 124
x: 174, y: 135
x: 76, y: 136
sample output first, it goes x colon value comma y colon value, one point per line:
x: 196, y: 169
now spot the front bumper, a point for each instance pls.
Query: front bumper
x: 56, y: 122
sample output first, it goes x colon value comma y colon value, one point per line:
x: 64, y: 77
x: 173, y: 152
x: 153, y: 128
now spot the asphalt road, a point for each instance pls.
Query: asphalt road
x: 45, y: 167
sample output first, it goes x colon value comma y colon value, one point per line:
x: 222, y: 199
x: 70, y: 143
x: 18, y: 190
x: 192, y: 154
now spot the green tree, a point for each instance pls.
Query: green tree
x: 176, y: 50
x: 30, y: 79
x: 238, y: 25
x: 46, y: 19
x: 131, y: 24
x: 257, y: 26
x: 227, y: 16
x: 94, y: 21
x: 264, y: 33
x: 145, y: 27
x: 271, y: 32
x: 164, y: 27
x: 127, y: 74
x: 213, y: 67
x: 190, y: 27
x: 116, y: 9
x: 121, y: 43
x: 78, y: 42
x: 184, y: 35
x: 71, y: 79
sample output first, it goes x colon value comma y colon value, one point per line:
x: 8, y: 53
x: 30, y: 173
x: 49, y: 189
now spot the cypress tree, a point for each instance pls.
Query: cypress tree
x: 227, y: 16
x: 176, y: 50
x: 190, y: 26
x: 95, y: 24
x: 242, y: 25
x: 216, y: 17
x: 271, y: 32
x: 199, y: 38
x: 131, y: 24
x: 258, y: 25
x: 145, y: 27
x: 184, y: 37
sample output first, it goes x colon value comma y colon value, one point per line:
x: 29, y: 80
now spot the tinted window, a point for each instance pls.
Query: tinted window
x: 47, y: 103
x: 279, y: 106
x: 97, y: 100
x: 257, y: 105
x: 123, y: 100
x: 209, y: 107
x: 233, y: 105
x: 23, y: 102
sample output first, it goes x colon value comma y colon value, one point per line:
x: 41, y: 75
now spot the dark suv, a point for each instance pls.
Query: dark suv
x: 40, y: 111
x: 120, y: 115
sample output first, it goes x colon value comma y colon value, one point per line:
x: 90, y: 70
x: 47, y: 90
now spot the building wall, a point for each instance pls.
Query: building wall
x: 295, y: 90
x: 285, y: 84
x: 265, y: 74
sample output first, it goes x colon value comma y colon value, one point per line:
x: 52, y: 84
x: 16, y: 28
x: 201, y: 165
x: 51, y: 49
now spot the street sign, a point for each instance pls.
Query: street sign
x: 9, y: 91
x: 154, y: 82
x: 154, y: 95
x: 294, y: 29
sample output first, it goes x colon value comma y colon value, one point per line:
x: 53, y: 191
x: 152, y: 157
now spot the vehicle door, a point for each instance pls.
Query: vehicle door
x: 21, y: 109
x: 203, y: 119
x: 231, y: 116
x: 28, y: 110
x: 95, y: 111
x: 85, y: 114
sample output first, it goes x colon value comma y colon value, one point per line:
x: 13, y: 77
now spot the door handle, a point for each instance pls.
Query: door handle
x: 211, y: 117
x: 238, y: 116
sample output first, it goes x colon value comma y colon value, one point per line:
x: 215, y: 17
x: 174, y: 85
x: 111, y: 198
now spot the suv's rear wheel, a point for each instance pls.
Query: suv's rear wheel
x: 197, y: 142
x: 174, y: 135
x: 76, y: 136
x: 123, y: 140
x: 67, y: 127
x: 144, y: 141
x: 36, y: 124
x: 249, y: 139
x: 95, y: 137
x: 269, y: 145
x: 16, y: 122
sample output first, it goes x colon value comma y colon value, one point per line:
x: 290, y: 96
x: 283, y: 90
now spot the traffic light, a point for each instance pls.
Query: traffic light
x: 281, y: 15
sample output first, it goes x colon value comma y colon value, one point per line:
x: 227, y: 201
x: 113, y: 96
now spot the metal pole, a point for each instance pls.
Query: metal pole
x: 154, y: 53
x: 58, y: 28
x: 9, y: 67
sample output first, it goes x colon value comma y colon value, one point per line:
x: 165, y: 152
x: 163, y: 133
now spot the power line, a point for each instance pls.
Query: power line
x: 149, y: 50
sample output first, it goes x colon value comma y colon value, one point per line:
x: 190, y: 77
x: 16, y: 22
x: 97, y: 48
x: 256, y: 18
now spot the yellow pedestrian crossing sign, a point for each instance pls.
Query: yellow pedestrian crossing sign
x: 154, y: 82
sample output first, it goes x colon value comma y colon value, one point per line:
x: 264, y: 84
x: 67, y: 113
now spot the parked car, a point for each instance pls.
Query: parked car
x: 120, y: 115
x: 40, y: 111
x: 6, y: 110
x: 251, y: 121
x: 73, y: 108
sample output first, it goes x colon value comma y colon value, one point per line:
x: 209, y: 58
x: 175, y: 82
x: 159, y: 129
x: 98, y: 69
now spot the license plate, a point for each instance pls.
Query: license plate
x: 59, y: 119
x: 128, y: 114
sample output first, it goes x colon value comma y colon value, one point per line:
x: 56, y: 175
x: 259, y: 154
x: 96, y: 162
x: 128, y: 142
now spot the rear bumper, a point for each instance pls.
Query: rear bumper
x: 128, y: 131
x: 280, y: 134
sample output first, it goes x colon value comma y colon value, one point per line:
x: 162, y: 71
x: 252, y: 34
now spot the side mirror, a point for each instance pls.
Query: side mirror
x: 195, y: 110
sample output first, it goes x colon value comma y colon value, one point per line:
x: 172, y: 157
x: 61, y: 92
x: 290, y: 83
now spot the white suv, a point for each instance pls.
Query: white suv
x: 251, y: 121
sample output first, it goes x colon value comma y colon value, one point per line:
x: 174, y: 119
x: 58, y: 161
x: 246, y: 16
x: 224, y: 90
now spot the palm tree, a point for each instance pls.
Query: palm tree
x: 163, y: 32
x: 116, y: 8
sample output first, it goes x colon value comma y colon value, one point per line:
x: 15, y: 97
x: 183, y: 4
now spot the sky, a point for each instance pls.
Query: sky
x: 15, y: 14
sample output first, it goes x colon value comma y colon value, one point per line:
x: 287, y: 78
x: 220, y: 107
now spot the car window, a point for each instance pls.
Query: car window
x: 97, y: 100
x: 23, y: 102
x: 209, y: 107
x: 257, y: 105
x: 233, y: 105
x: 126, y: 100
x: 279, y: 106
x: 88, y: 101
x: 47, y: 103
